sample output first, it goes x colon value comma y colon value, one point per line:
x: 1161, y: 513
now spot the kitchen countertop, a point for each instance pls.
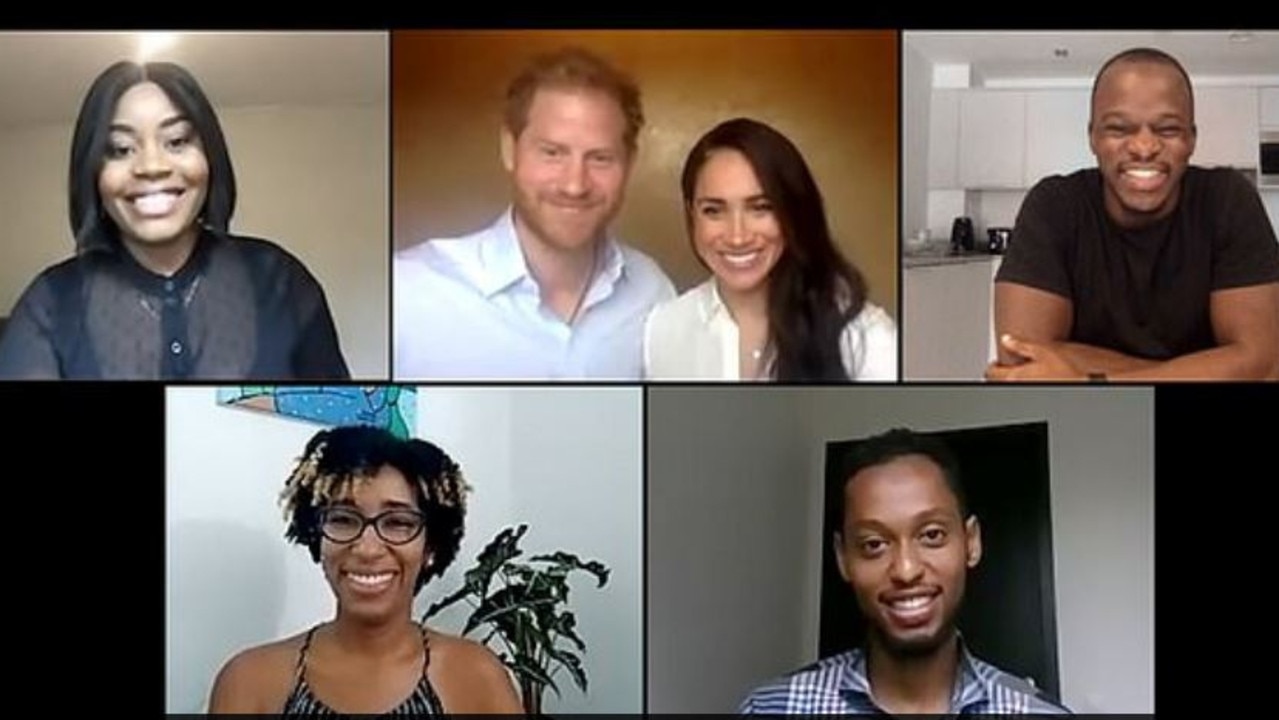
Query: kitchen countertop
x: 933, y: 257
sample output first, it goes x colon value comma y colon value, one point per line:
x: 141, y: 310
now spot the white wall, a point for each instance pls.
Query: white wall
x: 577, y: 473
x: 311, y: 178
x: 233, y: 581
x: 735, y: 523
x: 1101, y: 460
x: 917, y: 87
x: 727, y: 534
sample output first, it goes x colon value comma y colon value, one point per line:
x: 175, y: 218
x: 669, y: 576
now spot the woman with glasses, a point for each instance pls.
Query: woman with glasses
x: 381, y: 516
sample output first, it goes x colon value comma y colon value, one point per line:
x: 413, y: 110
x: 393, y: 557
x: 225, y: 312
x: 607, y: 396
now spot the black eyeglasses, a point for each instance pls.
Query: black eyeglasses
x: 396, y: 527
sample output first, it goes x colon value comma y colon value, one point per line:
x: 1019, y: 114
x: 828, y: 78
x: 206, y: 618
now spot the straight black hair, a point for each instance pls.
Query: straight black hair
x: 92, y: 228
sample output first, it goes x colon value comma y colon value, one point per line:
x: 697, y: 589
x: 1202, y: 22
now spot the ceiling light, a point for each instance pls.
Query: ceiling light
x: 152, y: 43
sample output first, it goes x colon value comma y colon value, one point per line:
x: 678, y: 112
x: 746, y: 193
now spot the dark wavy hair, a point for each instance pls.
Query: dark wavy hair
x: 92, y: 227
x: 813, y: 290
x: 334, y: 459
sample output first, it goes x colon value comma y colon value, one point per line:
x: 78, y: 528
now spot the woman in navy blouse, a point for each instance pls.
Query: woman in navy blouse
x: 158, y: 287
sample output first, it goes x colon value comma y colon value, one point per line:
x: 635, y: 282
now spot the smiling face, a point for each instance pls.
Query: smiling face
x: 1142, y: 132
x: 568, y: 167
x: 373, y: 579
x: 905, y: 552
x: 155, y: 176
x: 735, y: 227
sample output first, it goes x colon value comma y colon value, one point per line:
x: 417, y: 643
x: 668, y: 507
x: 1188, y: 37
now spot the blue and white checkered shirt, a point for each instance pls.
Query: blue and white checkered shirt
x: 838, y: 685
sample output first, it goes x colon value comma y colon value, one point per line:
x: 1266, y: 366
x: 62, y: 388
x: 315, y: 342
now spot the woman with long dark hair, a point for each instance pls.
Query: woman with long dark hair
x: 159, y: 288
x: 782, y: 303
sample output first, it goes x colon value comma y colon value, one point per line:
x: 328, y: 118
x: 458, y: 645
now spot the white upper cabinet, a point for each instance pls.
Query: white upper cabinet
x: 1227, y: 121
x: 943, y: 141
x: 1056, y: 133
x: 1270, y: 108
x: 992, y: 139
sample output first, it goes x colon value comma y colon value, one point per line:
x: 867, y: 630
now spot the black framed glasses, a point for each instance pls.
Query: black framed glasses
x: 396, y: 527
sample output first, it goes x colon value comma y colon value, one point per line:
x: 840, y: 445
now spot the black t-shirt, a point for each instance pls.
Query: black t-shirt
x: 240, y: 309
x: 1142, y: 292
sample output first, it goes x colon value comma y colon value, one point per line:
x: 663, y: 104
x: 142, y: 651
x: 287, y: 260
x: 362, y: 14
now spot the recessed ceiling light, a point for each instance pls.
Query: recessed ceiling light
x: 152, y: 43
x: 1241, y: 36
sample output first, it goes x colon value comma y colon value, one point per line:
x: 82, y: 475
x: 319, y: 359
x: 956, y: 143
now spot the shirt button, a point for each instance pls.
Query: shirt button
x: 176, y: 347
x: 170, y: 301
x: 168, y: 286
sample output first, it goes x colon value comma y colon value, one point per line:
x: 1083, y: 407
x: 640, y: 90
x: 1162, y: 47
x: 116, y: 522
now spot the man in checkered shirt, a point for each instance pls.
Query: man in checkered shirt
x: 905, y: 547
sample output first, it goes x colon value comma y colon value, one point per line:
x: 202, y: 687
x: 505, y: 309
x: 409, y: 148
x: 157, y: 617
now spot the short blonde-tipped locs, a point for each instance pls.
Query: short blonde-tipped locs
x: 335, y: 459
x: 449, y: 488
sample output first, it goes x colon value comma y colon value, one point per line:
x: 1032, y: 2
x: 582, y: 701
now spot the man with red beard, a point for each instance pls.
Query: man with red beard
x: 905, y: 546
x: 545, y: 291
x: 1144, y: 268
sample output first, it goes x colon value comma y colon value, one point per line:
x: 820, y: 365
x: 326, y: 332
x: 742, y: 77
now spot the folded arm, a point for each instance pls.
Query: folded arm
x: 1245, y: 323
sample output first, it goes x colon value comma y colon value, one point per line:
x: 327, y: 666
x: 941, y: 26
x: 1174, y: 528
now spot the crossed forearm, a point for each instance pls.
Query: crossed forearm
x: 1226, y: 362
x: 1094, y: 359
x: 1064, y: 361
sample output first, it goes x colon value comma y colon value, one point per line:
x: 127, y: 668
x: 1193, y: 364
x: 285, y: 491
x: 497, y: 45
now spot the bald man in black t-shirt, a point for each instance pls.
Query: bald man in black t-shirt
x: 1143, y: 268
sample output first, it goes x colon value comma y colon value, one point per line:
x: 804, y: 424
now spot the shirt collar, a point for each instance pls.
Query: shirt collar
x: 710, y: 304
x: 502, y: 262
x: 972, y: 687
x: 155, y: 284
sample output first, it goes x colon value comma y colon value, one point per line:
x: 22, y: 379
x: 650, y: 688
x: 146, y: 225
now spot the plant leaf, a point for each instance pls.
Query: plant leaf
x: 565, y: 625
x: 532, y: 673
x: 525, y: 604
x: 437, y: 606
x: 571, y: 662
x: 566, y: 562
x: 500, y: 550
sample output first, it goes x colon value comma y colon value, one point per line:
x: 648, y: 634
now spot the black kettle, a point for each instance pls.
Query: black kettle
x: 1000, y: 238
x: 962, y: 238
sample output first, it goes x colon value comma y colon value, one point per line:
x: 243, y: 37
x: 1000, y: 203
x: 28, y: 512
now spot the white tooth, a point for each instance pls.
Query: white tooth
x: 741, y: 259
x: 155, y: 203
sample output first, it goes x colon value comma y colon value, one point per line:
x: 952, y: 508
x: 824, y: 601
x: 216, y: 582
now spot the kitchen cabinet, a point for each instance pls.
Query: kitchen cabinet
x: 943, y: 140
x: 1270, y: 108
x: 1056, y: 133
x: 1228, y: 124
x: 948, y: 325
x: 992, y: 139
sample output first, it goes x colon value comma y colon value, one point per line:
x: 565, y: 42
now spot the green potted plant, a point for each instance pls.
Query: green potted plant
x: 524, y: 604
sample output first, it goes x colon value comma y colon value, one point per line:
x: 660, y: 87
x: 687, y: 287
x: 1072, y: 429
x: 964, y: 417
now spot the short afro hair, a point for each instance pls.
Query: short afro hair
x: 334, y: 459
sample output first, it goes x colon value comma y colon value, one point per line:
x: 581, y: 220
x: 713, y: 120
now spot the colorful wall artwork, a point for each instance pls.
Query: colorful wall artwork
x: 393, y: 407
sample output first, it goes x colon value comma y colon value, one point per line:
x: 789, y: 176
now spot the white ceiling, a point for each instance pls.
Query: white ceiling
x: 998, y: 57
x: 44, y: 75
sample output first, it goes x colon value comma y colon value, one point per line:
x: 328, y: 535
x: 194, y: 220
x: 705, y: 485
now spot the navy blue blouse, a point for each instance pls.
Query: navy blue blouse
x: 241, y: 308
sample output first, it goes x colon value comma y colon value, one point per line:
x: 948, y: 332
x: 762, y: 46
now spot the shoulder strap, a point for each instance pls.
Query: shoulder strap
x: 306, y: 645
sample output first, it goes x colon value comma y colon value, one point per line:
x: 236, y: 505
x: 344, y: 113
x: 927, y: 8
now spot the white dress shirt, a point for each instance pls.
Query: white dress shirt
x: 693, y: 337
x: 468, y: 308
